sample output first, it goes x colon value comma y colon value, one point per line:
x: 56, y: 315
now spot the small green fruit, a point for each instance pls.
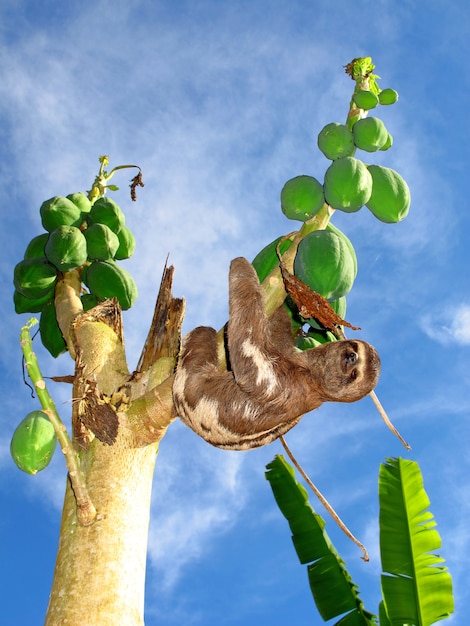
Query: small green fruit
x: 89, y: 300
x: 35, y: 248
x: 59, y: 211
x: 126, y: 244
x: 66, y: 248
x: 324, y: 263
x: 336, y: 141
x: 365, y: 99
x: 301, y: 198
x: 81, y: 201
x: 388, y: 96
x: 370, y: 134
x: 102, y: 243
x: 106, y: 211
x: 266, y: 260
x: 314, y: 339
x: 390, y: 199
x: 51, y: 335
x: 388, y: 144
x: 30, y: 305
x: 106, y: 279
x: 34, y: 278
x: 33, y: 443
x: 348, y: 184
x: 347, y: 242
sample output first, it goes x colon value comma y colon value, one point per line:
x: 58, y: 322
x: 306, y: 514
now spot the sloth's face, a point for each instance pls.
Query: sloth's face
x: 348, y: 370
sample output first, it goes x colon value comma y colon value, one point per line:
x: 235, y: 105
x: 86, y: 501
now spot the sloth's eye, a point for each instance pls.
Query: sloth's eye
x: 350, y: 357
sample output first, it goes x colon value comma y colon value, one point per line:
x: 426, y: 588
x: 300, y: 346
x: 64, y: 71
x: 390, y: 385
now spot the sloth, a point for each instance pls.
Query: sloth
x: 268, y: 384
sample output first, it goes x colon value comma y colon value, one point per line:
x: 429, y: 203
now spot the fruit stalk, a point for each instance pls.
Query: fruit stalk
x: 99, y: 186
x: 86, y: 512
x: 68, y: 305
x: 360, y: 70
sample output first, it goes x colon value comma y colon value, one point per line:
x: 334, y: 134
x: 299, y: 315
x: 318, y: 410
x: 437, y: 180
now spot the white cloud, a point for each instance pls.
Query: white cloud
x: 449, y: 326
x: 195, y: 499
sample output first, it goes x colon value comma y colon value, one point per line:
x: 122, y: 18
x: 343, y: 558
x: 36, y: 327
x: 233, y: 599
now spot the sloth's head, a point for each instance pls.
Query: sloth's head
x: 345, y: 370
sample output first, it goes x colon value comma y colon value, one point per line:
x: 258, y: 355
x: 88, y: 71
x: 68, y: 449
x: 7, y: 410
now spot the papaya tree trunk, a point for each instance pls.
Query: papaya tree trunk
x: 100, y: 569
x: 118, y: 420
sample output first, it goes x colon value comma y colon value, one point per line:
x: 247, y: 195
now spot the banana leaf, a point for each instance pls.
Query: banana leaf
x: 416, y: 587
x: 383, y: 619
x: 331, y: 585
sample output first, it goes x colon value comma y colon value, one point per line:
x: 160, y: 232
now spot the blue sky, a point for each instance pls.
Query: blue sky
x: 220, y: 104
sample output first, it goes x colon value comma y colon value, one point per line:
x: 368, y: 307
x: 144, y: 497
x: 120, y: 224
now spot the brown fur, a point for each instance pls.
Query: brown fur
x: 270, y: 384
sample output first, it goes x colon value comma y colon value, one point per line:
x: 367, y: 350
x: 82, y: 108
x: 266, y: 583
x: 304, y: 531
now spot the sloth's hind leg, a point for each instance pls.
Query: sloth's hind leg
x: 199, y: 348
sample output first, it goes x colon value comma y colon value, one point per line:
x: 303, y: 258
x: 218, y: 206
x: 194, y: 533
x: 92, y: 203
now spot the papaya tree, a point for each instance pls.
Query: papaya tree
x: 72, y: 277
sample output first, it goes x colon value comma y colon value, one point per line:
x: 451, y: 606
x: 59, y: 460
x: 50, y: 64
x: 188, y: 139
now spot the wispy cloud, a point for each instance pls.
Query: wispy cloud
x: 448, y: 326
x: 197, y: 499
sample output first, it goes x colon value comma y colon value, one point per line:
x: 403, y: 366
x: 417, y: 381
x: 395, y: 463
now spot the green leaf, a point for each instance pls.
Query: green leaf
x: 332, y: 588
x: 416, y: 588
x: 383, y: 619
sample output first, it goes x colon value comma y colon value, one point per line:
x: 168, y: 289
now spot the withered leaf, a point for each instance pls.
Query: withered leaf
x: 136, y: 182
x: 312, y: 304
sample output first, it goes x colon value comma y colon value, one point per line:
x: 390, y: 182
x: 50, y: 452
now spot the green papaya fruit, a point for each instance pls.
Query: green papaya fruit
x: 101, y: 242
x: 388, y: 144
x: 51, y: 335
x: 106, y: 211
x: 81, y: 201
x: 301, y: 198
x: 313, y: 339
x: 336, y: 141
x: 388, y: 96
x: 331, y: 227
x: 348, y: 184
x: 33, y: 443
x: 30, y: 305
x: 126, y: 244
x: 34, y: 278
x: 89, y: 300
x: 370, y: 134
x: 365, y: 99
x: 106, y: 279
x: 266, y: 260
x: 59, y: 211
x: 66, y: 248
x: 390, y: 199
x: 324, y: 263
x: 339, y: 306
x: 35, y: 248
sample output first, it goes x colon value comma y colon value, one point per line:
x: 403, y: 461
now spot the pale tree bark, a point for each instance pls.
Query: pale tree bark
x: 100, y: 569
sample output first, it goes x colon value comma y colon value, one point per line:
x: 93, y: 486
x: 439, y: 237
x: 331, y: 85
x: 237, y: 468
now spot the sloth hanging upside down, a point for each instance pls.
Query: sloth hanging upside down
x: 268, y: 385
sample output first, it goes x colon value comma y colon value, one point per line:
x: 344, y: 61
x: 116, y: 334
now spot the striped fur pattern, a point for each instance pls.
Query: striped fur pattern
x: 269, y: 384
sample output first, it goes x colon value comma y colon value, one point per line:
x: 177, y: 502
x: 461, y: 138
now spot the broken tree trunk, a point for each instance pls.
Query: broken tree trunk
x: 118, y: 421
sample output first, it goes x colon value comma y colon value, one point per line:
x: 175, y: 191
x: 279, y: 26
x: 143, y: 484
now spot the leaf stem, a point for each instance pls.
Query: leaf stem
x: 86, y: 512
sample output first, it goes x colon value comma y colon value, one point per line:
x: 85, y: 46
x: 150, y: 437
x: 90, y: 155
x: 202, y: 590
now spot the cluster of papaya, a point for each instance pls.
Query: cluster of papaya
x: 79, y: 234
x: 325, y: 259
x: 349, y: 183
x: 326, y: 262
